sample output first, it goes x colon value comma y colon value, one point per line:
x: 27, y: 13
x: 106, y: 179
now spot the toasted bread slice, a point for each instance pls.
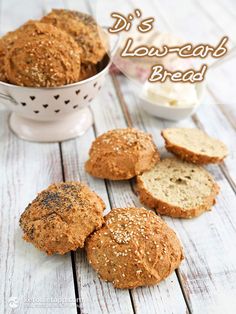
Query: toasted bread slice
x: 178, y: 189
x: 194, y: 145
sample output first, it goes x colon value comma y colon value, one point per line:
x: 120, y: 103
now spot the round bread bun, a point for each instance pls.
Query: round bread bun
x: 178, y: 189
x: 194, y: 145
x: 6, y: 43
x: 42, y: 56
x: 61, y: 217
x: 134, y: 248
x: 86, y: 33
x: 3, y: 77
x: 87, y: 70
x: 121, y: 154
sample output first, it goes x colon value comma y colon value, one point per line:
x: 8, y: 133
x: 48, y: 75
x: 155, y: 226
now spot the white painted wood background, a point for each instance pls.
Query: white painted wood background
x: 206, y: 280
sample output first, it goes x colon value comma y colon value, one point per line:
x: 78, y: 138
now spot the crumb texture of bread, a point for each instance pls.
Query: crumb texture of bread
x: 86, y: 32
x: 134, y: 248
x: 42, y: 56
x: 121, y: 154
x: 61, y: 217
x: 194, y: 145
x: 177, y: 188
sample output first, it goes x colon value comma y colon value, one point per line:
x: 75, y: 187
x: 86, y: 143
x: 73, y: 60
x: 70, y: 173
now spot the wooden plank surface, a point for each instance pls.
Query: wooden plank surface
x: 31, y: 280
x: 167, y: 296
x: 207, y: 277
x: 223, y: 18
x: 190, y: 21
x: 193, y: 23
x: 220, y: 90
x: 105, y: 299
x: 15, y: 13
x: 208, y: 240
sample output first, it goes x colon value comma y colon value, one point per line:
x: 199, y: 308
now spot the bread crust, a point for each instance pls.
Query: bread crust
x: 87, y: 71
x: 61, y: 217
x: 188, y: 155
x: 6, y: 43
x: 81, y: 52
x: 134, y: 248
x: 121, y: 154
x: 86, y: 32
x: 38, y: 59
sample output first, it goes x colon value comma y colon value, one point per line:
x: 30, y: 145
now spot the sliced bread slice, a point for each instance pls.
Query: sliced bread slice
x: 178, y: 189
x: 194, y: 145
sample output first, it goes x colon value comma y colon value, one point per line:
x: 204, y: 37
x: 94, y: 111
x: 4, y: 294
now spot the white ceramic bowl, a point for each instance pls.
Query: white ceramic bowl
x: 172, y: 113
x: 52, y: 114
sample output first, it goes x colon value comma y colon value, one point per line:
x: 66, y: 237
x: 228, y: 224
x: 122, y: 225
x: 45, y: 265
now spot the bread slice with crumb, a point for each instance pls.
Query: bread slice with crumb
x: 178, y: 189
x: 194, y: 145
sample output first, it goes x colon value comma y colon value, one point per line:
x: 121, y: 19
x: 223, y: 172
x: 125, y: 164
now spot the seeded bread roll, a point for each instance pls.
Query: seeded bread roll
x: 42, y: 56
x: 134, y: 248
x: 87, y: 70
x: 85, y: 32
x: 2, y: 60
x: 194, y: 145
x: 121, y: 154
x: 6, y: 43
x: 61, y: 217
x: 177, y: 189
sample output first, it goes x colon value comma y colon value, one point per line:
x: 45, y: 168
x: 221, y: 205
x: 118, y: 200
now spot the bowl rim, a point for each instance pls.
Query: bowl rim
x: 63, y: 86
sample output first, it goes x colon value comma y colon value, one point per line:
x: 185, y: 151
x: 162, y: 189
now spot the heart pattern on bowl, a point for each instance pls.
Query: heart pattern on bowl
x: 49, y: 104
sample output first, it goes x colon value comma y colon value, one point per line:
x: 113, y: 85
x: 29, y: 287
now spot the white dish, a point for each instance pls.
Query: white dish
x: 172, y: 113
x: 52, y: 114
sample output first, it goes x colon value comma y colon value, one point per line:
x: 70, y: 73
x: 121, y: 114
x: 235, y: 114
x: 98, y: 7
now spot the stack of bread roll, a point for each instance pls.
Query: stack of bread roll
x: 63, y: 47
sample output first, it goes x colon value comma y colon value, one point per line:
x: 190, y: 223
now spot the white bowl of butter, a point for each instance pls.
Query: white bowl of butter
x: 170, y: 100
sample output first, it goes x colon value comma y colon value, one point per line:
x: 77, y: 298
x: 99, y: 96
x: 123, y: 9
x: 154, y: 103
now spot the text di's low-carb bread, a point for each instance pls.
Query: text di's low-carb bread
x: 194, y: 145
x: 61, y: 217
x: 177, y: 188
x: 134, y: 248
x: 121, y: 154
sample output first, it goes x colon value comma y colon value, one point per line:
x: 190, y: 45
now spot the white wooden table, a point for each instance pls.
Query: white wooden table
x: 31, y: 282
